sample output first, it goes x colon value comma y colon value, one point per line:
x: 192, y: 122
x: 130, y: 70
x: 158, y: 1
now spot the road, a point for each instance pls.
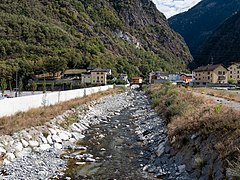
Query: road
x: 218, y: 100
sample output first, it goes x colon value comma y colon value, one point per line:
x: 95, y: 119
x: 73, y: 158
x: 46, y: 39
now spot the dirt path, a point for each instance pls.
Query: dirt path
x: 218, y: 100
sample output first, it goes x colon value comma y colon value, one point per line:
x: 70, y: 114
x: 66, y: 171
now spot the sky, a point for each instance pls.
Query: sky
x: 172, y: 7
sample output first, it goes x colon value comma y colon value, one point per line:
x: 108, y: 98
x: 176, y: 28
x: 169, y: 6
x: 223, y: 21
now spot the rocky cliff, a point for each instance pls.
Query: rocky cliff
x: 126, y: 35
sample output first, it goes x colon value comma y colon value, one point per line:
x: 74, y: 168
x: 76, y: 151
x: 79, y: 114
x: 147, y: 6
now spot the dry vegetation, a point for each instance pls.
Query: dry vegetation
x: 229, y: 95
x: 39, y: 116
x: 187, y: 115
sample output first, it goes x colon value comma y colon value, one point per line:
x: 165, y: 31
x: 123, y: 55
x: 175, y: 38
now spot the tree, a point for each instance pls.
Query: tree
x: 3, y: 85
x: 33, y: 87
x: 20, y: 87
x: 54, y: 65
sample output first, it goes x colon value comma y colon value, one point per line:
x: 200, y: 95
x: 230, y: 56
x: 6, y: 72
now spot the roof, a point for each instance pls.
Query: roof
x: 74, y: 71
x: 185, y: 74
x: 137, y: 78
x: 100, y: 70
x: 209, y: 67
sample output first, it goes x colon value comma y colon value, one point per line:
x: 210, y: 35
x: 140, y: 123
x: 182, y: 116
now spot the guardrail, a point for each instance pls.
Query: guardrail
x: 11, y: 106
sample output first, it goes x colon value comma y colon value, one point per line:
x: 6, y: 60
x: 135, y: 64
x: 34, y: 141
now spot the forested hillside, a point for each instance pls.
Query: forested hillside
x: 129, y: 36
x: 198, y: 24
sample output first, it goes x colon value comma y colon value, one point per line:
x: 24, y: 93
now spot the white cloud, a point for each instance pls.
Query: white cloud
x: 172, y: 7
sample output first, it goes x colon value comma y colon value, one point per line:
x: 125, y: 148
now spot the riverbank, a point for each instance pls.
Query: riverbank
x: 202, y: 135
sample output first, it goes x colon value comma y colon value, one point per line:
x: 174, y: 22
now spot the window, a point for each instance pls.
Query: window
x: 230, y: 72
x: 238, y: 76
x: 219, y: 72
x: 238, y: 72
x: 97, y: 77
x: 230, y: 67
x: 102, y: 73
x: 97, y: 73
x: 101, y: 81
x: 208, y: 72
x: 223, y: 72
x: 230, y: 76
x: 101, y: 77
x: 208, y: 77
x: 93, y: 81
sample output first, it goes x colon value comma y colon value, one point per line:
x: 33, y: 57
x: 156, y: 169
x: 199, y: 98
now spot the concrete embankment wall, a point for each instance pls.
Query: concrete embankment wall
x: 11, y: 106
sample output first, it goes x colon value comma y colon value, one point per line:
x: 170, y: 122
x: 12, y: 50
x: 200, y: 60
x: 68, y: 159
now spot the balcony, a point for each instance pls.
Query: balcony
x: 221, y: 78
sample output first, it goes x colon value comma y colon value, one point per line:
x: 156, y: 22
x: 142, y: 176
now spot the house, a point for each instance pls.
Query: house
x: 99, y: 76
x: 158, y: 77
x: 137, y: 80
x: 124, y: 77
x: 211, y: 74
x: 234, y: 72
x: 86, y: 78
x: 187, y: 78
x: 174, y: 77
x: 73, y: 73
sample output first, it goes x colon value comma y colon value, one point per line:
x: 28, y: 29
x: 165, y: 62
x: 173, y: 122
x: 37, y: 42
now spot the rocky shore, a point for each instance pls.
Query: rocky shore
x: 35, y: 153
x: 38, y: 153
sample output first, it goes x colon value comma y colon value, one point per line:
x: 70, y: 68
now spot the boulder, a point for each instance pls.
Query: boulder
x: 63, y: 136
x: 161, y: 149
x: 24, y: 143
x: 44, y: 140
x: 56, y: 138
x: 57, y: 146
x: 49, y: 139
x: 33, y: 143
x: 18, y: 146
x: 2, y: 150
x: 10, y: 157
x: 44, y: 147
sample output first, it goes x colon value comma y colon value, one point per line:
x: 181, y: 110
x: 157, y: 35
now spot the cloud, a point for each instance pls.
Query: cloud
x: 172, y: 7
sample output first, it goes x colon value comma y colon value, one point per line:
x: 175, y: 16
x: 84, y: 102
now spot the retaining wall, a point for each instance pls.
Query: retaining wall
x: 10, y: 106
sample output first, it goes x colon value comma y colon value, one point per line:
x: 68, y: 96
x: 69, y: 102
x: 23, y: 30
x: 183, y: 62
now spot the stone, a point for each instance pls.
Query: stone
x: 24, y: 143
x: 2, y: 150
x: 6, y: 162
x: 88, y: 159
x: 75, y: 128
x: 63, y: 136
x: 161, y: 149
x: 33, y: 143
x: 56, y: 138
x: 181, y: 169
x: 53, y: 131
x: 77, y: 135
x: 80, y: 163
x: 58, y: 146
x: 10, y: 157
x: 20, y: 154
x: 44, y: 140
x: 44, y: 147
x: 49, y: 139
x: 18, y: 146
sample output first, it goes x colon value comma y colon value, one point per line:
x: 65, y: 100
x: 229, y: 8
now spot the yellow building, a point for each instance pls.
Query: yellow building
x: 99, y: 76
x: 211, y: 74
x: 234, y: 72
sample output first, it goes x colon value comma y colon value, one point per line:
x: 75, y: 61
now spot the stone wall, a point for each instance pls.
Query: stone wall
x: 11, y: 106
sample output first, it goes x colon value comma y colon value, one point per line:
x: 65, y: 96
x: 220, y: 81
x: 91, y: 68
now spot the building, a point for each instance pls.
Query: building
x: 99, y: 76
x: 137, y: 80
x: 187, y: 78
x: 174, y: 77
x: 211, y: 74
x: 234, y: 72
x: 73, y: 73
x: 158, y: 77
x: 86, y: 78
x: 124, y: 77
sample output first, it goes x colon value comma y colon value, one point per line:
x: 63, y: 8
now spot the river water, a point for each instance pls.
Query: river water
x: 124, y: 146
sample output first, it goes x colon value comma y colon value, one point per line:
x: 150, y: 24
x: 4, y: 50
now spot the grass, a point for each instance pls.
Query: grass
x: 187, y: 114
x: 39, y: 116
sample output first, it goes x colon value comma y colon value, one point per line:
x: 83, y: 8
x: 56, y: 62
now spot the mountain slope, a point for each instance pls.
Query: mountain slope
x: 197, y: 24
x: 131, y: 36
x: 223, y: 44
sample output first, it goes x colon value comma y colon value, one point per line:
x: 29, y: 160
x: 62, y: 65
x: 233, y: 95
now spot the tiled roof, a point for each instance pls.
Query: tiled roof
x: 209, y: 67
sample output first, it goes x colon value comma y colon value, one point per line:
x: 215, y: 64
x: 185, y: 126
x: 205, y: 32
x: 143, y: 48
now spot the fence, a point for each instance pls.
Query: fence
x: 11, y: 106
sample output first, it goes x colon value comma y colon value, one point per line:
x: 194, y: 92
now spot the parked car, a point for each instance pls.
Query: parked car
x: 7, y: 95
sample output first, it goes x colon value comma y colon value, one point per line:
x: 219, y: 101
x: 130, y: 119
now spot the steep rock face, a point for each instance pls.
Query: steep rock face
x: 197, y: 24
x: 223, y: 44
x: 126, y: 35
